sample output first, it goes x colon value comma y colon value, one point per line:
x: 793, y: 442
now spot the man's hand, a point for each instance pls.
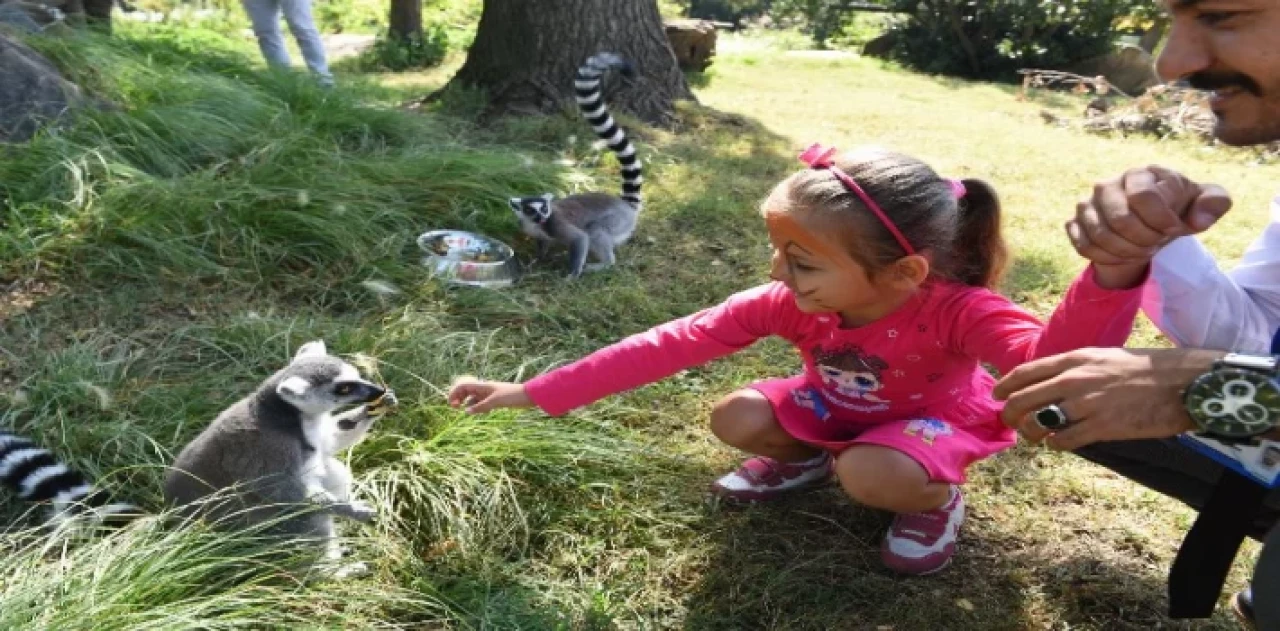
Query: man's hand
x: 1128, y: 219
x: 482, y: 396
x: 1106, y: 393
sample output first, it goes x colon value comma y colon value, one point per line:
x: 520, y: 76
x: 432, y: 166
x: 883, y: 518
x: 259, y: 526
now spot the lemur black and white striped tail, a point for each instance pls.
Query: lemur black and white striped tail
x: 591, y: 102
x: 37, y: 475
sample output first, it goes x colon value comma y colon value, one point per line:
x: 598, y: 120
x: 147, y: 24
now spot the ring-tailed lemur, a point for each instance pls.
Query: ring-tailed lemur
x: 292, y: 408
x: 276, y: 449
x: 37, y: 475
x: 592, y: 223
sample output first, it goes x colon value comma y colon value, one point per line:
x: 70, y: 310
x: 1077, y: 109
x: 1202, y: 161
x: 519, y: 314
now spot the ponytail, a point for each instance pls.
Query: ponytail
x: 979, y: 253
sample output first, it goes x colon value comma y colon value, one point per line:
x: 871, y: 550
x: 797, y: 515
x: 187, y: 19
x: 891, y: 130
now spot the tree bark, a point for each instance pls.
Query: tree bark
x: 957, y: 26
x: 526, y: 53
x: 405, y: 22
x: 98, y: 13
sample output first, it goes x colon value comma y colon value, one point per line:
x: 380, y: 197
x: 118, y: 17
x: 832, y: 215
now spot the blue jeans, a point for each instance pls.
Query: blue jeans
x: 265, y: 15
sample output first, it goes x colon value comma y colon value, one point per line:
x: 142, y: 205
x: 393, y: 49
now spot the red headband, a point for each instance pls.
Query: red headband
x: 819, y: 157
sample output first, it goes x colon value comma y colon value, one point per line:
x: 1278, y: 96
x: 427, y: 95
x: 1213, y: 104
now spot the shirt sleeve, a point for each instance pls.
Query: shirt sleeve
x: 1197, y: 305
x: 667, y: 349
x: 995, y: 331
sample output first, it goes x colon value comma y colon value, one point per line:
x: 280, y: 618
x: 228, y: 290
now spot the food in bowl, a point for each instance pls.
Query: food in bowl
x: 468, y: 258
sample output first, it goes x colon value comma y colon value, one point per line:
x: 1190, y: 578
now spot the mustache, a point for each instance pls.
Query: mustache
x: 1217, y: 80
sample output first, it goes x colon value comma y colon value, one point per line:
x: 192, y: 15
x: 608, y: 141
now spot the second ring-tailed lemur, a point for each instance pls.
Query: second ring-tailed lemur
x: 37, y: 475
x: 275, y: 450
x: 594, y: 223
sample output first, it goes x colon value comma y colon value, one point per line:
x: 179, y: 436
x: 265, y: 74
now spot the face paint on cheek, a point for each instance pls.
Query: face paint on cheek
x: 785, y: 231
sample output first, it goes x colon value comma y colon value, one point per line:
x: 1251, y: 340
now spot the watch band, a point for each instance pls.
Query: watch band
x: 1261, y: 363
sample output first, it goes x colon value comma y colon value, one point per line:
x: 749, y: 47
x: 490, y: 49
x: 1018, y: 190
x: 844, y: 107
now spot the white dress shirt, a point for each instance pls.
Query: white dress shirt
x: 1197, y: 305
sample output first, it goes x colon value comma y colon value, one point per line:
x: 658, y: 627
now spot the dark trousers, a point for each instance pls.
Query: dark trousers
x: 1166, y: 466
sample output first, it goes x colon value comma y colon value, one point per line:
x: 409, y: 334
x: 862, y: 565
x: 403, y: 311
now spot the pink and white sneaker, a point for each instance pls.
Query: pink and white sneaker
x: 762, y: 478
x: 923, y: 543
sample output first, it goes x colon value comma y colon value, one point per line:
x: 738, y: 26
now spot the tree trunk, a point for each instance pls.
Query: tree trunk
x: 406, y: 20
x: 98, y: 13
x: 957, y: 26
x: 526, y: 53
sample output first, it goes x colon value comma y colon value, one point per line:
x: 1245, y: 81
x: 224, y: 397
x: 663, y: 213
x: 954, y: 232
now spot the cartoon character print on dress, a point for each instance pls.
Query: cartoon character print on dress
x: 811, y: 399
x: 850, y: 372
x: 928, y: 429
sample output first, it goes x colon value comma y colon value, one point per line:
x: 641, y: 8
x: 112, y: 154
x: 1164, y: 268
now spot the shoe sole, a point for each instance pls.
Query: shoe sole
x: 905, y: 574
x: 750, y: 498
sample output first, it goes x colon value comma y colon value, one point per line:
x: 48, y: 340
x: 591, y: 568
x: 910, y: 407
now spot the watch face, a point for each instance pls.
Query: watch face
x: 1234, y: 402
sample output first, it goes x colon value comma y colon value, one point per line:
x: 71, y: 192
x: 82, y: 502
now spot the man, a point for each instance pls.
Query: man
x: 265, y: 16
x: 1122, y: 407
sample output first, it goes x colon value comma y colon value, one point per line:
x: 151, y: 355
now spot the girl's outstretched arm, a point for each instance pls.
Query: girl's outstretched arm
x: 647, y: 357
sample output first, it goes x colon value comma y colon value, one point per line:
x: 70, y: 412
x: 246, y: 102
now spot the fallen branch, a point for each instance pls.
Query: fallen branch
x: 1033, y: 78
x: 1167, y: 110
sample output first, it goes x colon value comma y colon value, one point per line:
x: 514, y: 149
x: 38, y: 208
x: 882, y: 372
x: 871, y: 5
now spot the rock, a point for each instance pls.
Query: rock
x: 879, y: 47
x: 32, y: 91
x: 1129, y: 68
x: 1097, y: 107
x: 28, y: 17
x: 11, y: 16
x: 694, y: 42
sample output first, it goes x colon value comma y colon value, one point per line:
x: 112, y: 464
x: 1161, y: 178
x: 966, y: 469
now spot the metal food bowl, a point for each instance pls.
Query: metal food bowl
x: 467, y: 258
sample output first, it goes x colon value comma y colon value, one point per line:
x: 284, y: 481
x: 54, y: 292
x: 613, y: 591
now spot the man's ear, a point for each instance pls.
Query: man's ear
x: 314, y: 348
x: 293, y: 387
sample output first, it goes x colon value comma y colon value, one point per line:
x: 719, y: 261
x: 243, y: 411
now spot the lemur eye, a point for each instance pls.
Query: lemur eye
x: 343, y: 389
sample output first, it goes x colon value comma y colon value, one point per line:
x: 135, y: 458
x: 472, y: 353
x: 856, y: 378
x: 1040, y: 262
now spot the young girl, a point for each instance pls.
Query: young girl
x: 882, y: 280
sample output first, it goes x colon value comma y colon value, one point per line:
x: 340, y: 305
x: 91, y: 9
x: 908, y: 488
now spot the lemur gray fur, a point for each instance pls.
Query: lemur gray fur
x: 275, y: 449
x: 594, y: 223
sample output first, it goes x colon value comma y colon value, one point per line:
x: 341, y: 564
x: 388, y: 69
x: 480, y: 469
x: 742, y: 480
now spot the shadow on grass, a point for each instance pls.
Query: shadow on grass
x: 813, y: 562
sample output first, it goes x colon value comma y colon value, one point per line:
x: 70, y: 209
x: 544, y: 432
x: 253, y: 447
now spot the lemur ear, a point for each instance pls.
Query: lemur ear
x: 293, y: 387
x: 548, y: 197
x: 314, y: 348
x: 515, y: 203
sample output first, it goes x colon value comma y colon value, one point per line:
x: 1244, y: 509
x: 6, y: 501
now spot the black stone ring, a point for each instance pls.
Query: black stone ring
x: 1051, y: 417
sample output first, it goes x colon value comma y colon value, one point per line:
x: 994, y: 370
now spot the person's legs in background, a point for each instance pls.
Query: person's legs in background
x: 265, y: 17
x: 297, y: 13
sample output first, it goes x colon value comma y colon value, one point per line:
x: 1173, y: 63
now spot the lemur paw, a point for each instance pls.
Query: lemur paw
x: 361, y: 511
x: 351, y: 570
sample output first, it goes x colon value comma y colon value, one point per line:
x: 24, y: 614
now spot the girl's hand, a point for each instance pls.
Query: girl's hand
x: 482, y: 396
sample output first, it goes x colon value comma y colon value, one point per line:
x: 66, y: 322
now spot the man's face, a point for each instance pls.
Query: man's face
x: 1231, y: 47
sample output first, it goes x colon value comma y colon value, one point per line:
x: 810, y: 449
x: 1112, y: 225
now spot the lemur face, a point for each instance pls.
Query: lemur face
x: 535, y: 209
x: 316, y: 382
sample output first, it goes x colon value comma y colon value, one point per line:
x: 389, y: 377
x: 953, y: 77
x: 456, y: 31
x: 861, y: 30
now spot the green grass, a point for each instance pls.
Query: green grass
x: 162, y: 257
